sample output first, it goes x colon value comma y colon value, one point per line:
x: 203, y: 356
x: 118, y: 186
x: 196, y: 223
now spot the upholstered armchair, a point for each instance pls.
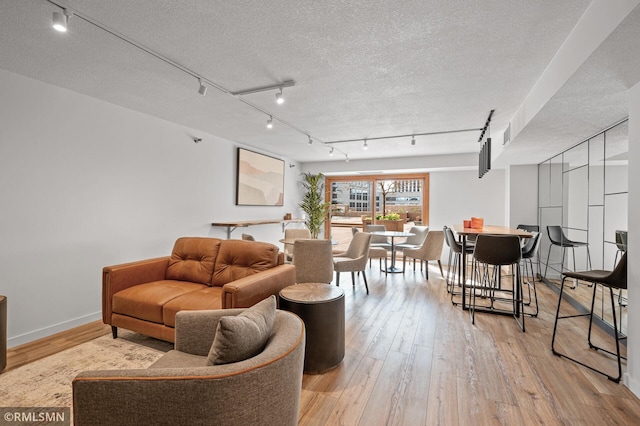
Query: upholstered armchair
x: 431, y: 249
x: 313, y: 260
x: 354, y: 259
x: 180, y: 388
x: 292, y: 234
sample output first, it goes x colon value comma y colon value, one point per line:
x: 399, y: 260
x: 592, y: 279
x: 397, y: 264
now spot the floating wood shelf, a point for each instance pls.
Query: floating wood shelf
x: 231, y: 226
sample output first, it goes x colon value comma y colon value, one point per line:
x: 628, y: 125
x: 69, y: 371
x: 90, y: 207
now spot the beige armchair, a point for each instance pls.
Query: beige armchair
x: 354, y: 259
x: 180, y: 388
x: 313, y: 260
x: 431, y: 249
x: 292, y: 234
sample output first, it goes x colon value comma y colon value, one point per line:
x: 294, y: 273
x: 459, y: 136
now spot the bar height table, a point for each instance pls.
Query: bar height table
x: 487, y: 229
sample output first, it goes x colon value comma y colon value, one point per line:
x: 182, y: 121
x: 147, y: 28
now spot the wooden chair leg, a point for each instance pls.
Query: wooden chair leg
x: 353, y: 277
x: 364, y: 276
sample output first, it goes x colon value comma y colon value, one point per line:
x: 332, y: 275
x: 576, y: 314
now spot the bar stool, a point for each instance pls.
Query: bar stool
x: 530, y: 250
x: 621, y: 244
x: 611, y: 279
x: 490, y: 254
x: 455, y: 252
x: 557, y: 238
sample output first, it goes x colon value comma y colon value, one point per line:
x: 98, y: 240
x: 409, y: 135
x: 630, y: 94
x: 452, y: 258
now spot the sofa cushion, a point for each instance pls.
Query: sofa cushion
x: 243, y: 336
x: 146, y: 301
x: 238, y: 259
x: 205, y: 299
x: 193, y: 259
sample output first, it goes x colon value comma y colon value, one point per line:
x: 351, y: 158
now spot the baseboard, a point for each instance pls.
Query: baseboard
x: 48, y: 331
x: 633, y: 385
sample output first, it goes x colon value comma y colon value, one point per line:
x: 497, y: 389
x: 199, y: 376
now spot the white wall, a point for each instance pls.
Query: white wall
x: 85, y: 184
x: 632, y: 376
x: 522, y: 205
x: 459, y: 195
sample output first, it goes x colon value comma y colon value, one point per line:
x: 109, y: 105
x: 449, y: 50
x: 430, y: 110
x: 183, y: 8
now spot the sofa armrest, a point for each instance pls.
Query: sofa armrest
x: 248, y: 291
x: 195, y: 330
x: 119, y: 277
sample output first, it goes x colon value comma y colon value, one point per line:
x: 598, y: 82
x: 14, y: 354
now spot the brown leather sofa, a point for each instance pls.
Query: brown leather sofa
x: 200, y: 274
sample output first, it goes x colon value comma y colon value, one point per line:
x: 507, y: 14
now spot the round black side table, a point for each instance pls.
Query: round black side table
x: 321, y: 307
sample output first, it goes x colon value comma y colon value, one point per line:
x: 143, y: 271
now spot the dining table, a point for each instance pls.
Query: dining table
x: 464, y: 233
x: 393, y: 234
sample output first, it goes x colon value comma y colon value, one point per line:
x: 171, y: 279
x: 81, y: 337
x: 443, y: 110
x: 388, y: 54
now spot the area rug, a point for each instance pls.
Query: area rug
x: 47, y: 382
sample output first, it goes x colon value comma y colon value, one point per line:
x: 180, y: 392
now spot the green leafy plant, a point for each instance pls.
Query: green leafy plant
x: 390, y: 216
x: 313, y: 203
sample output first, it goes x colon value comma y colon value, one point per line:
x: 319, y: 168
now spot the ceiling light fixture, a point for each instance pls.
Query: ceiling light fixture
x: 413, y: 140
x: 346, y: 158
x: 310, y: 140
x: 60, y: 20
x: 365, y: 146
x: 279, y: 98
x: 331, y: 151
x: 202, y: 89
x: 279, y: 86
x: 445, y: 132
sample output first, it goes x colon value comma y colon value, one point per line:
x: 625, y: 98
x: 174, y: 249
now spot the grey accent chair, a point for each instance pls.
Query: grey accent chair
x: 180, y: 388
x: 354, y: 259
x: 378, y: 240
x: 431, y: 249
x: 416, y: 240
x: 248, y: 237
x: 375, y: 252
x: 313, y: 260
x: 290, y: 234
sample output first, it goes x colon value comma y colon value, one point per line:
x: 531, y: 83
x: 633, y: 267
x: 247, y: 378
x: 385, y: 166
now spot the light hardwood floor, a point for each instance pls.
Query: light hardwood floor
x: 414, y: 359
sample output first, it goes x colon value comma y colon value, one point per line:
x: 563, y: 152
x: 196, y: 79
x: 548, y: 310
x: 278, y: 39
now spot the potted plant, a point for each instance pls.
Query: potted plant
x: 391, y: 222
x: 313, y: 203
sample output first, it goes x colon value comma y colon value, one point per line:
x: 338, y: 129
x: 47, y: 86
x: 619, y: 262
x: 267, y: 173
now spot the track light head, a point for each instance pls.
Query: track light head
x: 413, y: 140
x: 60, y: 20
x: 202, y: 89
x: 279, y: 98
x: 346, y: 158
x: 310, y: 140
x: 270, y: 122
x: 365, y: 146
x: 331, y: 151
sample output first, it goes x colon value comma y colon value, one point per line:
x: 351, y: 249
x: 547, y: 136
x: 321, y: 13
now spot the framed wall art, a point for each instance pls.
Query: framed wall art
x: 259, y: 180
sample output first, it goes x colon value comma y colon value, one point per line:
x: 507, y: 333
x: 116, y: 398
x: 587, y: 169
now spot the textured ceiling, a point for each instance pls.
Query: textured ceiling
x: 363, y: 68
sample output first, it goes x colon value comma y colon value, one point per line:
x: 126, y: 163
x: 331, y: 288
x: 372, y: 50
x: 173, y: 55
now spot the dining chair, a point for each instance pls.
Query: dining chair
x: 490, y: 254
x: 616, y: 279
x: 293, y: 234
x: 313, y: 260
x: 354, y: 259
x: 431, y: 249
x: 375, y: 253
x: 529, y: 251
x: 414, y: 241
x: 559, y: 239
x: 378, y: 240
